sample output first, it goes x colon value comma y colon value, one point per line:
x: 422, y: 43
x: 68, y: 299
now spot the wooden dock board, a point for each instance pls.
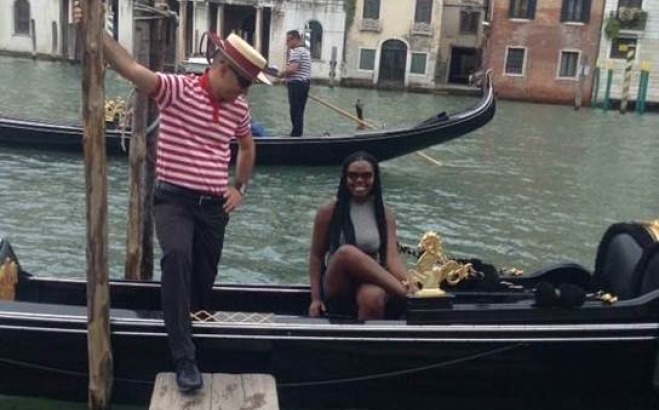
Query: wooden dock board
x: 221, y: 391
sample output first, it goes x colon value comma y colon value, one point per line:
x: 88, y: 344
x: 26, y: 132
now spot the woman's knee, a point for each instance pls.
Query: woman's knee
x: 347, y: 253
x: 372, y: 298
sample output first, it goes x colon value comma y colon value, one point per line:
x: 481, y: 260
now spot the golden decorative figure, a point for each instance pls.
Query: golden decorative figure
x: 653, y: 229
x: 608, y: 298
x: 115, y: 110
x: 433, y: 267
x: 512, y: 271
x: 8, y: 280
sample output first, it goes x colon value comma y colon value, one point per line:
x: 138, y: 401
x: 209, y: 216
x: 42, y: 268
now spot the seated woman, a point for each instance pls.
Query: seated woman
x: 354, y: 258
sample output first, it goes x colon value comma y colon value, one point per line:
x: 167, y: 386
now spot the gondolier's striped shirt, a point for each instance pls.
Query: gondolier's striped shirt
x: 302, y: 57
x: 195, y: 133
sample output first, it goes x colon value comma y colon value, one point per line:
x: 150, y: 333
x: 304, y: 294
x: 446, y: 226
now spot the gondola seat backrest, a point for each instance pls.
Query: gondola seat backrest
x: 650, y: 265
x: 618, y: 267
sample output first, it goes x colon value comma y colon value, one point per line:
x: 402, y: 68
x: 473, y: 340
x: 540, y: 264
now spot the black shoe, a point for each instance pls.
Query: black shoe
x: 188, y: 376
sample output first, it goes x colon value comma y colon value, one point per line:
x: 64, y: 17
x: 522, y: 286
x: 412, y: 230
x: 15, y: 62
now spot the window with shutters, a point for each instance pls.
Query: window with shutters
x: 469, y: 21
x: 371, y: 9
x: 569, y: 64
x: 315, y: 40
x: 515, y: 60
x: 575, y: 11
x: 423, y: 11
x: 419, y: 61
x: 367, y: 59
x: 522, y: 9
x: 22, y: 17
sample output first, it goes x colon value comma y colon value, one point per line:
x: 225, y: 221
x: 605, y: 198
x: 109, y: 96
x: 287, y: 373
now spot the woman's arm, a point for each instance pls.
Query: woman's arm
x: 317, y: 253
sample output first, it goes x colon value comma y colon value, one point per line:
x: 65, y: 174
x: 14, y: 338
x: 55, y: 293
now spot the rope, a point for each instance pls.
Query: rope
x: 63, y: 371
x: 378, y: 376
x: 405, y: 371
x: 128, y: 120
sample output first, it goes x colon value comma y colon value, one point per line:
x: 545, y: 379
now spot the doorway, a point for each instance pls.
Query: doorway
x: 393, y: 60
x: 464, y: 61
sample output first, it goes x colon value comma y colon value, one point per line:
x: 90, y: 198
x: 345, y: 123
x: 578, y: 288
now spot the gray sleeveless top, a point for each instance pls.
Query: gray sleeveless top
x: 367, y: 237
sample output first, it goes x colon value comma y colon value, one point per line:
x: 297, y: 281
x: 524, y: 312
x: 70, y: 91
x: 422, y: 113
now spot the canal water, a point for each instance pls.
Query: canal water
x: 538, y: 185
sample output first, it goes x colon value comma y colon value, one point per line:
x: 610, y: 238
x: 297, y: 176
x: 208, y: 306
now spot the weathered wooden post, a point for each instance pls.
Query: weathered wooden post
x: 581, y: 78
x: 98, y: 292
x: 607, y: 90
x: 139, y: 239
x: 596, y: 85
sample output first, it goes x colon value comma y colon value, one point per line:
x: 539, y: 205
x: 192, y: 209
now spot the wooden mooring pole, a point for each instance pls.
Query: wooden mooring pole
x: 150, y: 35
x: 627, y: 78
x: 98, y: 294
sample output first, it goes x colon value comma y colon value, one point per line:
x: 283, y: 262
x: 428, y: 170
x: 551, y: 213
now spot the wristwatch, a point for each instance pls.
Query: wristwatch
x: 241, y: 187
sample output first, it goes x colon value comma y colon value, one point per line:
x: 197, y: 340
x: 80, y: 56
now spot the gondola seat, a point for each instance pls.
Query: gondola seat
x: 622, y: 261
x: 650, y: 265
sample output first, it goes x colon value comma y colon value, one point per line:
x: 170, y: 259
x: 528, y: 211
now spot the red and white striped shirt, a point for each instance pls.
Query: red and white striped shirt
x: 195, y: 132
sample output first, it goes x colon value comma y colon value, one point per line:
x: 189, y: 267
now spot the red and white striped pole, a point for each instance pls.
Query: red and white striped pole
x: 629, y: 62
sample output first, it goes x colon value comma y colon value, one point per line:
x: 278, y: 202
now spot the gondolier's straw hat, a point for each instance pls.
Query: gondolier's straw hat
x: 242, y: 56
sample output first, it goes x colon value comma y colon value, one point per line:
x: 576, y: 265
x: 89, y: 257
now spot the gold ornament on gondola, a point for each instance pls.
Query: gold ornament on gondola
x: 115, y: 110
x: 653, y: 228
x: 8, y: 280
x: 433, y: 267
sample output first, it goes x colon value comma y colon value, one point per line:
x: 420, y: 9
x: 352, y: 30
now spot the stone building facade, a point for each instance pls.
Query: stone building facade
x: 393, y: 43
x: 638, y: 30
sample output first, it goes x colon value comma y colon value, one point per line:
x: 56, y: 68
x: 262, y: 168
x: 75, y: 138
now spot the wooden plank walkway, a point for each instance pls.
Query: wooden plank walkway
x: 220, y: 392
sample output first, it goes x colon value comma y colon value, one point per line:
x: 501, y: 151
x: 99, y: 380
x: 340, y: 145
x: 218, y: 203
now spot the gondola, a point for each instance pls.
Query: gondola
x: 496, y: 334
x: 325, y: 150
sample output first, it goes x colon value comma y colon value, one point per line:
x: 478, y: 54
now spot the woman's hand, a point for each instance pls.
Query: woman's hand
x: 411, y: 286
x: 317, y: 308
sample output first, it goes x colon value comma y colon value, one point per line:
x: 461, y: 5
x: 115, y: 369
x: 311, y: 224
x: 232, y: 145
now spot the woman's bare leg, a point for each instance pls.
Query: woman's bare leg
x: 371, y: 302
x: 349, y: 267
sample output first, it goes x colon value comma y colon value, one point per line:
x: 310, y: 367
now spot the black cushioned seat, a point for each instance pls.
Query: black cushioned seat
x: 618, y: 267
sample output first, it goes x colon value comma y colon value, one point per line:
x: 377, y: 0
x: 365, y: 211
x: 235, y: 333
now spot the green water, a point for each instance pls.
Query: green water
x: 538, y: 185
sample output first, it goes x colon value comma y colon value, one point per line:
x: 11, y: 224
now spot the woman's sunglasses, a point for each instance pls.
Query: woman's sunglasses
x: 363, y: 175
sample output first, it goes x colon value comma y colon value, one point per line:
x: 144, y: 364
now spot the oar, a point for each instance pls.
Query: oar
x: 365, y: 124
x: 342, y: 112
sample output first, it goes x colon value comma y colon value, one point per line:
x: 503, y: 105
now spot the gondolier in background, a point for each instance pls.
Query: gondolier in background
x: 354, y: 263
x: 198, y: 118
x: 297, y: 75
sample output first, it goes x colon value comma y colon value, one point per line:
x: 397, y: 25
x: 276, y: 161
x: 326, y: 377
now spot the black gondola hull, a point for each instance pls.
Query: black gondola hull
x: 307, y: 151
x: 346, y: 362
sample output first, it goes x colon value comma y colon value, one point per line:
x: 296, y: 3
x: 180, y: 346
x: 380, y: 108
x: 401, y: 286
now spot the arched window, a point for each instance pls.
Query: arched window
x: 315, y: 40
x: 22, y: 17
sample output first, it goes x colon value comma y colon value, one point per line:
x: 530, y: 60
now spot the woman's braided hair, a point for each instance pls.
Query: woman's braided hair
x: 341, y: 221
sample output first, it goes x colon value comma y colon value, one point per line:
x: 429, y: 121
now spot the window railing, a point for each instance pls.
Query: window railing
x: 631, y: 18
x: 371, y: 25
x: 424, y: 29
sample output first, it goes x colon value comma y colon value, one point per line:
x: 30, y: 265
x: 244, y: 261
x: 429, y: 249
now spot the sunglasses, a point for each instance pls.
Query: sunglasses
x: 362, y: 175
x: 243, y: 82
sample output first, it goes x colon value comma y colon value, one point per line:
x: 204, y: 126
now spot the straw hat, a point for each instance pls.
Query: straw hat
x: 242, y: 56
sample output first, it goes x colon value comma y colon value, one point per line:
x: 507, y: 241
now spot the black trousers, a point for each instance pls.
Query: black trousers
x: 190, y: 230
x: 298, y: 91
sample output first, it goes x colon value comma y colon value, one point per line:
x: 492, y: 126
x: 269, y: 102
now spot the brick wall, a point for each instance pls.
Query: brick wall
x: 544, y: 37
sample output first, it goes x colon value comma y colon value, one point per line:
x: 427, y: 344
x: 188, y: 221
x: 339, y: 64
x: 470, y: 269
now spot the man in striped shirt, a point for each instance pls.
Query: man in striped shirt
x: 298, y: 78
x: 193, y: 197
